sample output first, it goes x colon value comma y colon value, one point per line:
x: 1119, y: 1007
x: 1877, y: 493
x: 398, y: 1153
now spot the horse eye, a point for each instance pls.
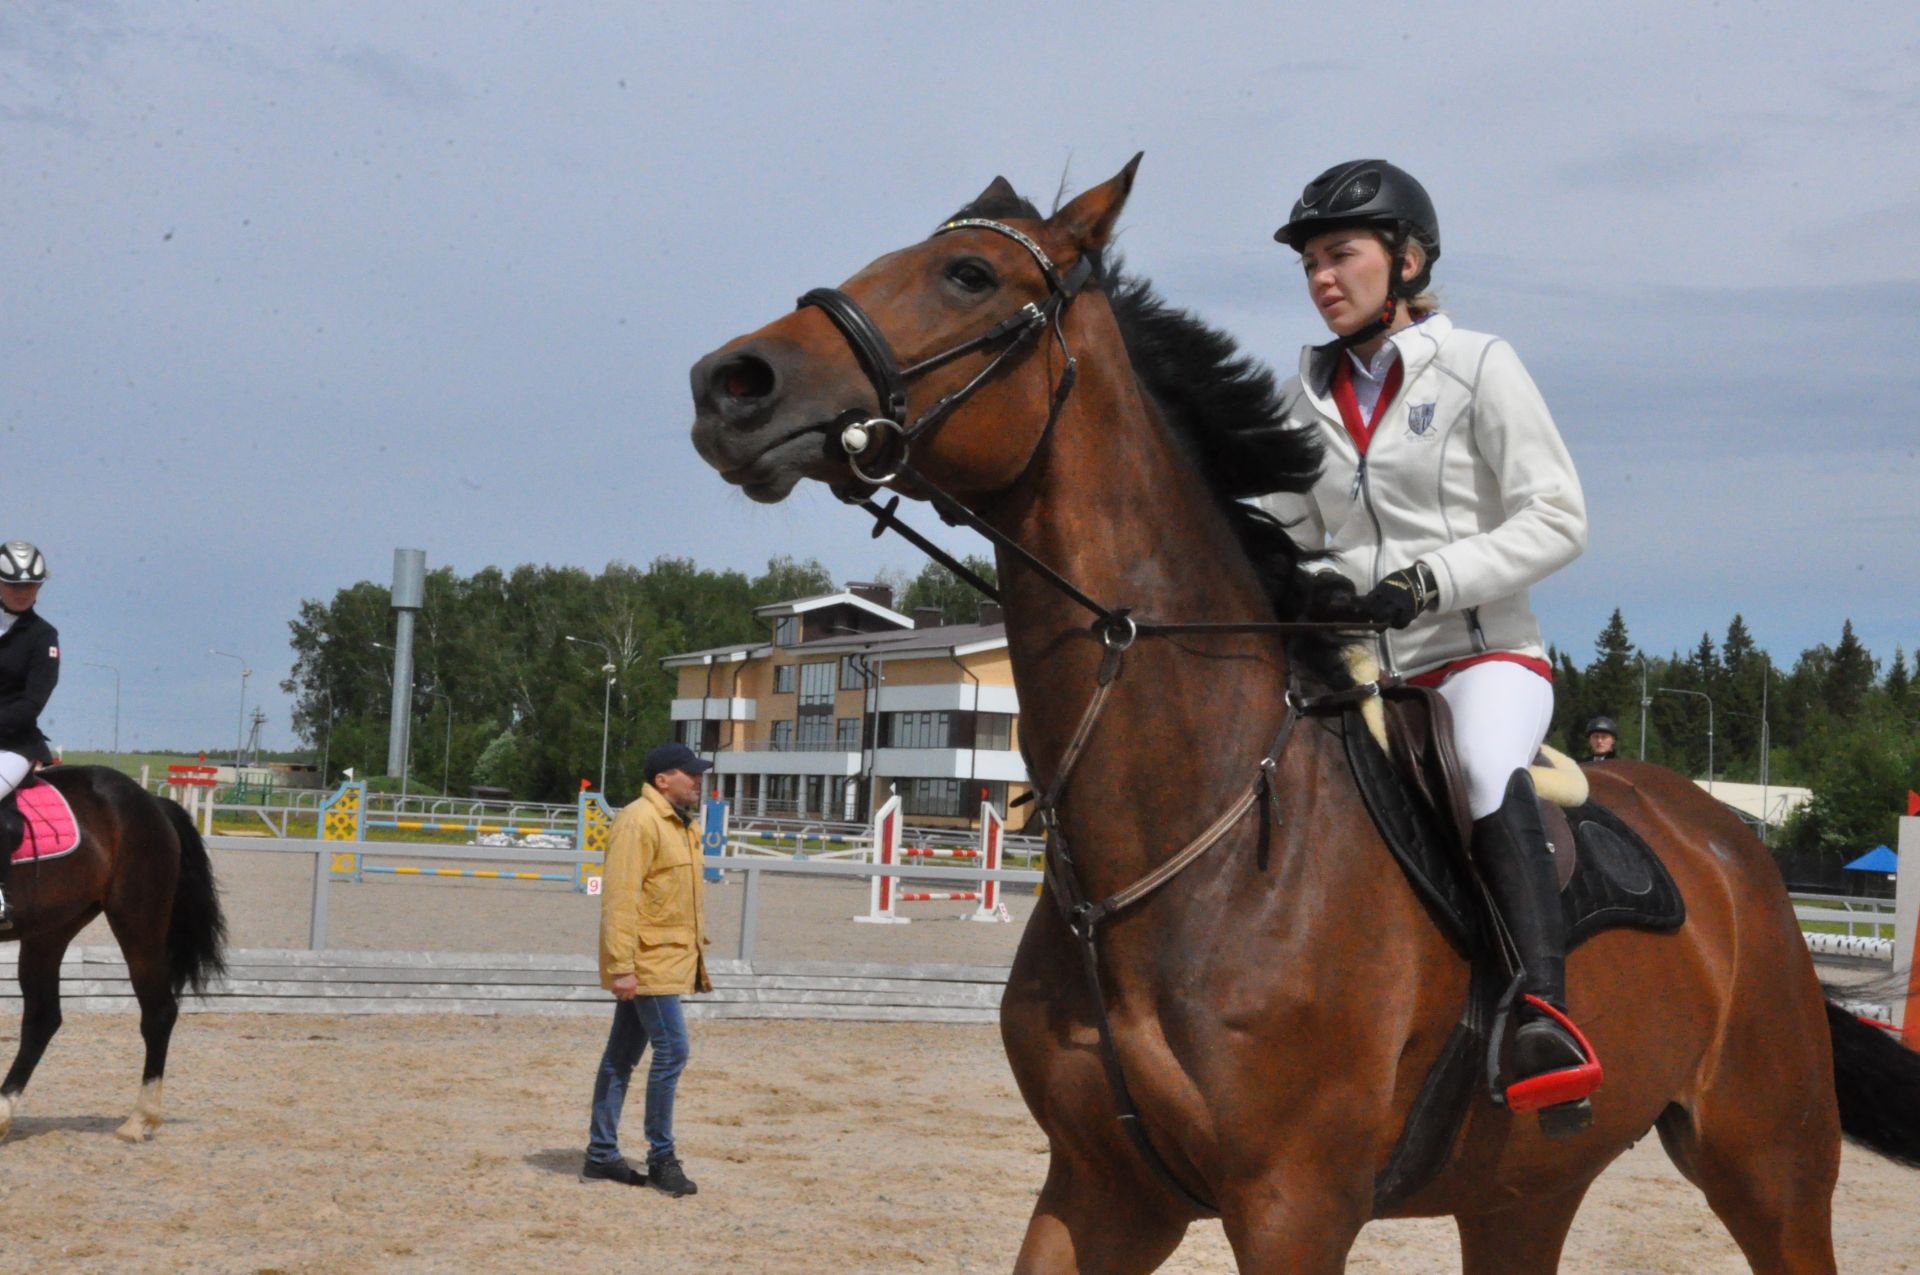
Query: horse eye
x: 971, y: 274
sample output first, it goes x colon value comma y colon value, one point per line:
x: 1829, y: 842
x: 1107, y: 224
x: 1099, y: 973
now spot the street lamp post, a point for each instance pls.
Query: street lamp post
x: 1646, y: 702
x: 606, y: 703
x: 1664, y: 690
x: 240, y: 726
x: 446, y: 758
x: 116, y: 699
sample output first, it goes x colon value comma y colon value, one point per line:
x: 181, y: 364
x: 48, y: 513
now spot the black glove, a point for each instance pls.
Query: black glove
x: 1396, y: 600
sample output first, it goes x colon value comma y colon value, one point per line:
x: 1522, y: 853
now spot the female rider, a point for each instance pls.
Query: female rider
x: 29, y: 667
x: 1446, y: 494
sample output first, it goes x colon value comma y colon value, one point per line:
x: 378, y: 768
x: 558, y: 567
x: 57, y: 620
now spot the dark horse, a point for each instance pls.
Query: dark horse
x: 1276, y: 1007
x: 142, y: 863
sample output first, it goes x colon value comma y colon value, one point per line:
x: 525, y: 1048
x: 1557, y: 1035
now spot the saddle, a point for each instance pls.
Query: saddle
x: 1415, y: 790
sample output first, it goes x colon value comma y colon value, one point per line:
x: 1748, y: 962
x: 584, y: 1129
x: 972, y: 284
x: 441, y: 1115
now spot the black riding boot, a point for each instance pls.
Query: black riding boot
x: 1511, y: 849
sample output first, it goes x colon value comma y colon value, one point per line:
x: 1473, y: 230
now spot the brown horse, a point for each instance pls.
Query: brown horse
x: 1276, y: 1007
x: 142, y: 863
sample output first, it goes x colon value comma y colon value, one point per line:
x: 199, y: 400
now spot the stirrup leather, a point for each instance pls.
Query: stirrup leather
x: 1565, y: 1084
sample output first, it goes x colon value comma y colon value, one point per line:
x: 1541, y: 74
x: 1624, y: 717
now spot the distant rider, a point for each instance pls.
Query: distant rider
x: 1602, y: 737
x: 29, y: 668
x: 1446, y: 494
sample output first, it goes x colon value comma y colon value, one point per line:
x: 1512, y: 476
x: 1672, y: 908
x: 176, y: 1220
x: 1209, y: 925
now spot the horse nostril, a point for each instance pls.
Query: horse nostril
x: 742, y: 378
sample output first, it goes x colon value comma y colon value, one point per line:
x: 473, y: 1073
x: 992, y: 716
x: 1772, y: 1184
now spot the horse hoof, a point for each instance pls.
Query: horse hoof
x: 135, y: 1129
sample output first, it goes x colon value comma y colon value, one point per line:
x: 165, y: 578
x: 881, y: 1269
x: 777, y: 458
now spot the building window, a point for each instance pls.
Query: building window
x: 993, y: 730
x: 700, y: 736
x: 783, y: 679
x: 816, y: 683
x: 786, y: 630
x: 930, y: 796
x: 846, y: 735
x: 850, y: 677
x: 816, y: 734
x: 917, y: 730
x: 783, y: 737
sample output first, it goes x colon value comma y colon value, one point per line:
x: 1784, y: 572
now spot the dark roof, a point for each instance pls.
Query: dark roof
x: 944, y: 638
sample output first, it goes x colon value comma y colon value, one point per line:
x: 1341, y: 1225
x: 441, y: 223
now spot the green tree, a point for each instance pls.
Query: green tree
x: 1851, y: 674
x: 936, y: 586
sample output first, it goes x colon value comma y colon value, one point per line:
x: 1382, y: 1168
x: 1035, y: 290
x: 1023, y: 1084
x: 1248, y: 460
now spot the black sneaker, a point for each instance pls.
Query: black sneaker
x: 669, y: 1178
x: 618, y: 1171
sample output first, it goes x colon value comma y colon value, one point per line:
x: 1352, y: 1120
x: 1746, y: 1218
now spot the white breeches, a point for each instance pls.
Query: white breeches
x: 14, y: 770
x: 1501, y: 712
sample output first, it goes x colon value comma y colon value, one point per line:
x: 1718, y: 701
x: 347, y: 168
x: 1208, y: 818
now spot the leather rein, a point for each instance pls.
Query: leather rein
x: 879, y: 451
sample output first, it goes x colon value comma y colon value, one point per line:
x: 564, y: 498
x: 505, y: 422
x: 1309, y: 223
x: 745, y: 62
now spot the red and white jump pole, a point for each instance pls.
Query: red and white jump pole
x: 888, y: 853
x: 993, y: 837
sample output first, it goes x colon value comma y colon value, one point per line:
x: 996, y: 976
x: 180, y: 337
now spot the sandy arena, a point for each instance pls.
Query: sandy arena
x: 430, y: 1143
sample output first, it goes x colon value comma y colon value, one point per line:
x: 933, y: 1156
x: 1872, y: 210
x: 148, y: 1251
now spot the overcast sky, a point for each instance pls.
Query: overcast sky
x: 286, y: 286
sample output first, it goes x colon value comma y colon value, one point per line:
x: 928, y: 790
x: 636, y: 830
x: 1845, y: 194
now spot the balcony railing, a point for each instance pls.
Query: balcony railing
x: 795, y: 746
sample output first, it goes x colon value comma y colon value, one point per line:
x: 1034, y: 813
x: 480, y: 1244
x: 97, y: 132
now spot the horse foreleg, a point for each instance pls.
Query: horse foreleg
x: 159, y: 1009
x: 1279, y: 1227
x: 1522, y: 1240
x: 39, y: 1016
x: 1086, y: 1221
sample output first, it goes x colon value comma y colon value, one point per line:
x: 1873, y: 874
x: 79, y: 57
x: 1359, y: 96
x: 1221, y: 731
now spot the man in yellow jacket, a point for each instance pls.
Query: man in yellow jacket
x: 652, y: 930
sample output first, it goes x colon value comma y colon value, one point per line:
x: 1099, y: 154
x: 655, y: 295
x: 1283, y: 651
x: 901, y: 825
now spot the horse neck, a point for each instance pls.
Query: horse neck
x: 1116, y: 507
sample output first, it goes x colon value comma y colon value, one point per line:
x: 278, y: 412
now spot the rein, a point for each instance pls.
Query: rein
x: 1116, y: 628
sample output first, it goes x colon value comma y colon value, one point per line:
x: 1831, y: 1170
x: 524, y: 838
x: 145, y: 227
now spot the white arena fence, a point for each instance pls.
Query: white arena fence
x: 751, y: 870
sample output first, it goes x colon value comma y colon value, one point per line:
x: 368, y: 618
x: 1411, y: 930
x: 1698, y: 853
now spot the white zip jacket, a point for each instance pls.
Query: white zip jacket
x: 1465, y: 471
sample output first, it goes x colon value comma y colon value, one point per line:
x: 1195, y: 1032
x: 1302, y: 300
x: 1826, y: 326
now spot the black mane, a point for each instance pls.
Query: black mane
x: 1224, y: 406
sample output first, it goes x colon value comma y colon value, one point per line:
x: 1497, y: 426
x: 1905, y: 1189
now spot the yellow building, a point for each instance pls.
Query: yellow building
x: 851, y: 701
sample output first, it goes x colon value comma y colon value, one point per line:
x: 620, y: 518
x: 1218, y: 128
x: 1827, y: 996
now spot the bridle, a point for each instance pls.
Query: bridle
x: 861, y: 438
x: 888, y: 438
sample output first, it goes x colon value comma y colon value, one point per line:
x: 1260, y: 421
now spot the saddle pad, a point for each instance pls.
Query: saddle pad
x: 1618, y: 881
x: 51, y: 830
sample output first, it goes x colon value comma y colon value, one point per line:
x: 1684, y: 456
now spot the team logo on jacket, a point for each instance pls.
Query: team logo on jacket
x: 53, y: 652
x: 1420, y: 419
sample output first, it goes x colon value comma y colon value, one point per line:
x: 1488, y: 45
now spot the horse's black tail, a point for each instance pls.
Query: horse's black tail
x: 1878, y: 1081
x: 197, y: 931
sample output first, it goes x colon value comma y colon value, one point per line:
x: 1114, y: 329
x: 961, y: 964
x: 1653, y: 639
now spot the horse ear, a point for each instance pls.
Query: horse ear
x: 998, y: 191
x: 1092, y: 214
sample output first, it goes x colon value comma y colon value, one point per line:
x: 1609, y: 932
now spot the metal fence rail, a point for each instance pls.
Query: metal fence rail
x: 752, y: 869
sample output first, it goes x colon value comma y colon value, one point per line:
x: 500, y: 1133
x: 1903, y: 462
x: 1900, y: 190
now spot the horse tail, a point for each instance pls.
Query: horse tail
x: 1878, y: 1082
x: 197, y: 931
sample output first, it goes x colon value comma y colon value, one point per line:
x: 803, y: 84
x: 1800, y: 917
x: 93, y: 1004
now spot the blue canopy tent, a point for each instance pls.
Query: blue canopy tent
x: 1878, y: 859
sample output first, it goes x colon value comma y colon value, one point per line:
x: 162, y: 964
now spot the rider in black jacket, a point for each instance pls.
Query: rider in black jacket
x: 29, y: 668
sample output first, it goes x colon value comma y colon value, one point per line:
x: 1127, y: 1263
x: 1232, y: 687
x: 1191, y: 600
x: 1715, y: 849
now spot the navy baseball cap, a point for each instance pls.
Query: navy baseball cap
x: 675, y: 757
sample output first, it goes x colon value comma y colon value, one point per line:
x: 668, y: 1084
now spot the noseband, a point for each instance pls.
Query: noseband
x: 868, y: 438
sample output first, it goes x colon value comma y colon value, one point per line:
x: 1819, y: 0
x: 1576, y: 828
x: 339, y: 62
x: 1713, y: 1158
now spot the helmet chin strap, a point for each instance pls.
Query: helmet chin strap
x: 1366, y: 333
x: 1398, y: 286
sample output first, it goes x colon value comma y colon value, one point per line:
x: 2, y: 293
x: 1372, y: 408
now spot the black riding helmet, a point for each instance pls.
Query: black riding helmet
x: 1602, y: 724
x: 1372, y: 193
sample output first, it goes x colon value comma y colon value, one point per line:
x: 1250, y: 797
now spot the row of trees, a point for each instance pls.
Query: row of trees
x: 1832, y: 721
x: 503, y: 699
x: 524, y: 704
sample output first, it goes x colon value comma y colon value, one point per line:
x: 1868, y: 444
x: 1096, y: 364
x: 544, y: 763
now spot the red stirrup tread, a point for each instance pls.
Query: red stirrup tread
x: 1568, y: 1084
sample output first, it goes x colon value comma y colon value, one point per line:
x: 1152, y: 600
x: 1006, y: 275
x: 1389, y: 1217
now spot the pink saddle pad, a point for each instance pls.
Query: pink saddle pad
x: 51, y: 830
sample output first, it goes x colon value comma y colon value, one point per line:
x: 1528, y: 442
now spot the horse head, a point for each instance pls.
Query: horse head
x: 957, y: 343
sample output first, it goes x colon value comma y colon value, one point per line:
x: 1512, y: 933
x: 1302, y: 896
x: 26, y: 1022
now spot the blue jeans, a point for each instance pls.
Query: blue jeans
x: 638, y: 1023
